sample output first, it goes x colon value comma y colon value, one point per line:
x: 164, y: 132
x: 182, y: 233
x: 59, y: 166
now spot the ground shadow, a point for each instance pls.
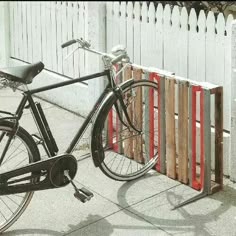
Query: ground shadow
x: 187, y: 221
x: 91, y: 219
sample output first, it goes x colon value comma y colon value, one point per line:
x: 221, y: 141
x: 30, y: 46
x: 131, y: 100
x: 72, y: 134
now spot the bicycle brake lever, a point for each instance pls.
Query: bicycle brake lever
x: 84, y: 43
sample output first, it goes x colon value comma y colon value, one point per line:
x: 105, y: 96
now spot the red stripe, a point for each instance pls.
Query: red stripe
x: 195, y: 184
x: 151, y: 119
x: 110, y: 129
x: 193, y: 136
x: 201, y: 139
x: 157, y: 77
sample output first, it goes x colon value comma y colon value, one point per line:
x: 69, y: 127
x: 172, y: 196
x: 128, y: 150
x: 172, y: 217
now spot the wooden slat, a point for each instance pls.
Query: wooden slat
x: 162, y: 125
x: 170, y: 128
x: 128, y: 143
x: 119, y: 125
x: 183, y: 132
x: 219, y: 137
x: 137, y: 119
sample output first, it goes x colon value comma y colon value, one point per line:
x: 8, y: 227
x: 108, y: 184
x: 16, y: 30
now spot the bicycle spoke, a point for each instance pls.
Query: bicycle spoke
x: 12, y: 200
x: 6, y: 205
x: 20, y: 162
x: 7, y: 160
x: 3, y: 215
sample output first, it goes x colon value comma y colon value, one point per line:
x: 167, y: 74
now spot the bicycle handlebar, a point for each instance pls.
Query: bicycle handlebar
x: 68, y: 43
x: 122, y: 54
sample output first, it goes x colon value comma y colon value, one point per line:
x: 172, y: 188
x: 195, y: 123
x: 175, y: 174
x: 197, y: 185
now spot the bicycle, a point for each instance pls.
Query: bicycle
x: 22, y: 171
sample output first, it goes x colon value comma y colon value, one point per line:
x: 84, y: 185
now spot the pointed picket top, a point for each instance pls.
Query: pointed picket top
x: 151, y: 13
x: 184, y: 19
x: 220, y: 24
x: 202, y: 22
x: 130, y: 10
x: 167, y: 15
x: 210, y: 23
x: 193, y: 20
x: 137, y: 11
x: 144, y: 12
x: 123, y: 9
x: 229, y: 20
x: 159, y: 15
x: 116, y: 9
x: 175, y: 17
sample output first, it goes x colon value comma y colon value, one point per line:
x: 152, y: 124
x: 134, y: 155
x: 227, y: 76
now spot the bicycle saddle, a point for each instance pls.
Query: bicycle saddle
x: 22, y: 74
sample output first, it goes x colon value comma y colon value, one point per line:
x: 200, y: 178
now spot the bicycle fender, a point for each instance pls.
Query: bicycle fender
x: 96, y: 149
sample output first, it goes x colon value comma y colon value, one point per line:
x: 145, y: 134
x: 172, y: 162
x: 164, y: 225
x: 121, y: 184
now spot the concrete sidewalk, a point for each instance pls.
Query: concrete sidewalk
x: 142, y: 207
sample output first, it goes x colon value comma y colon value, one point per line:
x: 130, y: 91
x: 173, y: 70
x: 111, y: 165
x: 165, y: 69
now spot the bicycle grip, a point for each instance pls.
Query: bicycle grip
x: 68, y: 43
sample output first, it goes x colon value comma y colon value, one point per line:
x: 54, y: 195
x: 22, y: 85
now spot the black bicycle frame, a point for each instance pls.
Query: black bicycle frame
x: 27, y: 97
x: 54, y: 167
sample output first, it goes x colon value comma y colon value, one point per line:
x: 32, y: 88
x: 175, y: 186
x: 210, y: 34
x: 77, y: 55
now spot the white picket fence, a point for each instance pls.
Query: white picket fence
x: 191, y: 47
x: 38, y: 29
x: 198, y: 48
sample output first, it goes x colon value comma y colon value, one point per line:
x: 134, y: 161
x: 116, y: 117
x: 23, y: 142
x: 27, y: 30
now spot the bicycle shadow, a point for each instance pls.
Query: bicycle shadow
x: 182, y: 220
x: 104, y: 225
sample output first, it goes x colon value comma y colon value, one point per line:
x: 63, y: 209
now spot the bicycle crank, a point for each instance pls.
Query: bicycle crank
x: 44, y: 174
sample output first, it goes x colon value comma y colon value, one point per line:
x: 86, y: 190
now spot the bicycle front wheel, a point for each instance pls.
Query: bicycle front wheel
x: 17, y: 150
x: 130, y: 152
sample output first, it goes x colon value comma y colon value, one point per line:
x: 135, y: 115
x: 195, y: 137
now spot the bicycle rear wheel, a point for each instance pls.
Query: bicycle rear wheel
x: 21, y: 151
x: 129, y: 154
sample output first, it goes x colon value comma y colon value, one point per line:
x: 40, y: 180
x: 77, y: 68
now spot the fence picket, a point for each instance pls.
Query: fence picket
x: 109, y: 35
x: 183, y: 44
x: 167, y: 38
x: 64, y: 36
x: 144, y: 35
x: 122, y: 24
x: 53, y: 36
x: 81, y: 31
x: 175, y: 30
x: 137, y: 33
x: 59, y: 36
x: 38, y: 48
x: 75, y: 16
x: 24, y: 30
x: 159, y: 37
x: 129, y: 31
x: 201, y: 47
x: 20, y: 28
x: 151, y: 36
x: 70, y: 59
x: 33, y: 26
x: 192, y: 62
x: 227, y: 76
x: 220, y: 28
x: 48, y: 34
x: 12, y: 49
x: 44, y: 39
x: 116, y: 23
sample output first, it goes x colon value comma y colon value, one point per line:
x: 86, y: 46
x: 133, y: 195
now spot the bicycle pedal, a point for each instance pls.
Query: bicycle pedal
x: 86, y: 192
x: 83, y: 195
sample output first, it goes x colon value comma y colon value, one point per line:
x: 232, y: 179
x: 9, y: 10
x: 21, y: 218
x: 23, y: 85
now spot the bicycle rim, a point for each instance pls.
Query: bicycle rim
x: 18, y: 154
x: 129, y: 154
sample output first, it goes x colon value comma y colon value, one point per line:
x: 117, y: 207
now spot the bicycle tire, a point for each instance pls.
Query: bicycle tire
x: 22, y: 150
x: 137, y: 163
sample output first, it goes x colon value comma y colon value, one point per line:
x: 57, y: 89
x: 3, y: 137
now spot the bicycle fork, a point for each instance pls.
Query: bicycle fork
x: 118, y: 94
